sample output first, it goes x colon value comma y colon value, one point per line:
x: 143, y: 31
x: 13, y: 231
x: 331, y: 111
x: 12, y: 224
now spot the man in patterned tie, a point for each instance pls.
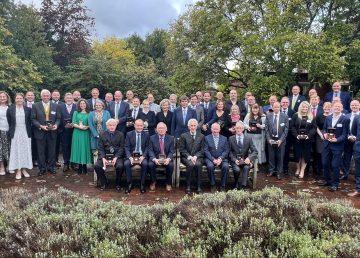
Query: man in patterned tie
x: 216, y: 153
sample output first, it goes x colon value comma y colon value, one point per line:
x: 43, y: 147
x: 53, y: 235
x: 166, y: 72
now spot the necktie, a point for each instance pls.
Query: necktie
x: 275, y: 132
x: 69, y: 109
x: 313, y: 111
x: 111, y: 136
x: 172, y: 107
x: 94, y: 100
x: 161, y: 145
x: 137, y: 146
x: 206, y: 105
x: 239, y: 143
x: 284, y: 111
x: 336, y: 94
x: 293, y: 102
x: 216, y: 141
x: 193, y: 136
x: 47, y: 109
x: 184, y: 116
x: 29, y: 104
x: 134, y: 114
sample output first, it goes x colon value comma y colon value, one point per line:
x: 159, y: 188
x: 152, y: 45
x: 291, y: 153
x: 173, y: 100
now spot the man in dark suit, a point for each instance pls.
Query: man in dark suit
x: 119, y: 110
x: 137, y: 141
x: 334, y: 146
x: 349, y: 145
x: 245, y: 101
x: 55, y: 98
x: 209, y: 113
x: 276, y: 130
x: 194, y: 104
x: 30, y: 101
x: 234, y: 101
x: 76, y: 96
x: 111, y: 153
x: 295, y: 99
x: 66, y: 129
x: 344, y: 96
x: 94, y: 96
x: 289, y: 138
x: 191, y: 146
x: 108, y: 99
x: 173, y: 102
x: 161, y: 152
x: 355, y: 130
x: 216, y: 153
x: 133, y: 113
x: 181, y: 116
x: 242, y: 155
x: 43, y: 113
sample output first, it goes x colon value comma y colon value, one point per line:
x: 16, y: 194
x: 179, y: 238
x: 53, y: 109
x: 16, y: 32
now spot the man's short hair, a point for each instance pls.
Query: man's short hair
x: 192, y: 120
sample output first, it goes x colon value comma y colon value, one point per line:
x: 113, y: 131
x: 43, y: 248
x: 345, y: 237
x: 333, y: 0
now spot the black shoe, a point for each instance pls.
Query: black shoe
x: 128, y: 189
x: 343, y: 177
x: 142, y: 189
x: 324, y: 183
x: 84, y: 169
x: 236, y: 186
x: 41, y: 172
x: 103, y: 188
x: 66, y: 168
x: 279, y: 177
x: 188, y: 190
x: 333, y: 188
x: 213, y: 188
x: 118, y: 188
x: 199, y: 190
x: 222, y: 189
x: 286, y: 171
x: 79, y: 170
x: 271, y: 174
x: 240, y: 188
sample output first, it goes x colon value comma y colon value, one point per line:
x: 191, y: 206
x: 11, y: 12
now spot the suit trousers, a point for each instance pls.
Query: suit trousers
x: 66, y: 138
x: 288, y: 144
x: 46, y: 149
x: 119, y: 168
x: 357, y: 170
x: 169, y: 171
x: 331, y: 163
x: 190, y: 168
x: 224, y: 172
x: 244, y: 175
x: 144, y: 168
x: 276, y: 157
x: 348, y: 153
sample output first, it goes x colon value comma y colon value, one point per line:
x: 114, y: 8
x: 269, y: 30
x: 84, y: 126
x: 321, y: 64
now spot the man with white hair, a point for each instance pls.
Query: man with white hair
x: 45, y: 117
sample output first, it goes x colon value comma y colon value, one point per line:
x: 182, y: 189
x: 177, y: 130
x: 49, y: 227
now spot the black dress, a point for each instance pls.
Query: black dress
x: 221, y: 120
x: 150, y: 118
x: 302, y: 148
x: 160, y: 117
x: 229, y: 123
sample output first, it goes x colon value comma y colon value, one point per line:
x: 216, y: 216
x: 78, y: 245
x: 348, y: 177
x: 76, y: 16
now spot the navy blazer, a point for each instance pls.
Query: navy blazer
x: 209, y: 113
x: 211, y: 152
x: 355, y: 130
x: 11, y: 118
x: 38, y: 118
x: 154, y: 146
x: 130, y: 143
x: 160, y: 117
x: 300, y: 99
x: 122, y: 114
x: 177, y: 124
x: 341, y: 132
x: 344, y: 96
x: 65, y: 115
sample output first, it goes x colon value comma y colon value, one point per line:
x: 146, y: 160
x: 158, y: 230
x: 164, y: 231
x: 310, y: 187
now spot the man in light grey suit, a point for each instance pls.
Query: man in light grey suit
x: 276, y: 130
x: 242, y: 155
x: 194, y: 104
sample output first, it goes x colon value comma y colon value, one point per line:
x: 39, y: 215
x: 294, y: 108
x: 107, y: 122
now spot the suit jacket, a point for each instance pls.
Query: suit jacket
x: 106, y: 142
x: 319, y: 110
x: 341, y: 132
x: 150, y: 118
x: 310, y: 127
x: 190, y: 147
x: 211, y: 152
x: 66, y: 115
x: 199, y: 116
x: 248, y: 149
x: 122, y: 114
x: 11, y: 118
x: 300, y: 98
x: 154, y: 146
x: 209, y: 113
x: 282, y: 129
x: 38, y: 118
x: 167, y: 120
x: 353, y: 123
x: 344, y: 97
x: 130, y: 143
x: 130, y: 114
x: 241, y: 106
x: 355, y: 130
x: 177, y: 124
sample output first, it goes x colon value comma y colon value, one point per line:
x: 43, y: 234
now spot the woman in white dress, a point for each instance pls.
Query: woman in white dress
x: 4, y: 128
x: 19, y: 119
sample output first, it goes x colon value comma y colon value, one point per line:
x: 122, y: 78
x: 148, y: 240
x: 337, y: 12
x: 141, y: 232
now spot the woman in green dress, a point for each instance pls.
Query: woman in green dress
x: 80, y: 146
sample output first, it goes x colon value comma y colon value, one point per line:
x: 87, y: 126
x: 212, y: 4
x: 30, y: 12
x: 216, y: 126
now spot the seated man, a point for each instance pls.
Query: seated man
x: 161, y: 151
x: 111, y: 152
x: 242, y: 155
x: 216, y: 153
x: 191, y: 147
x: 136, y: 151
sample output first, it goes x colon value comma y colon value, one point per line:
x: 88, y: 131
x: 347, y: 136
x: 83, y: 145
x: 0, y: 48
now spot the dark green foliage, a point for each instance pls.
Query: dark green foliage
x: 234, y: 224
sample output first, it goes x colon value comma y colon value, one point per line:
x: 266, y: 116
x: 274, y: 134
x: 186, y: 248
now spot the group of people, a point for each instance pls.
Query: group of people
x: 123, y: 132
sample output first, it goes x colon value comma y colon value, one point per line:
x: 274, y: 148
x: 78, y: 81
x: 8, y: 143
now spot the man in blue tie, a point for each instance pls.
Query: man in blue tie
x: 216, y: 153
x: 181, y: 117
x: 337, y: 93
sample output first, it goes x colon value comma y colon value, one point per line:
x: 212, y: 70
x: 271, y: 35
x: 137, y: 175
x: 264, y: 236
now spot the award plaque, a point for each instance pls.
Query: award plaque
x: 331, y: 132
x: 129, y: 121
x: 274, y: 141
x: 241, y: 160
x: 252, y: 125
x: 68, y: 123
x: 81, y: 123
x: 136, y: 157
x: 49, y: 124
x: 109, y: 157
x: 302, y: 134
x: 162, y: 158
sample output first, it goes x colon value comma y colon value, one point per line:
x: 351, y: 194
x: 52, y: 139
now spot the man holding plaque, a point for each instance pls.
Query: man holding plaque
x: 133, y: 114
x: 335, y: 131
x: 242, y: 155
x: 119, y: 110
x: 111, y: 152
x: 161, y: 151
x: 136, y: 151
x: 45, y: 117
x: 276, y: 130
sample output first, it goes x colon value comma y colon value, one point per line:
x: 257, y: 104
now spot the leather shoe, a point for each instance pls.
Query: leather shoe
x: 354, y: 194
x: 66, y: 168
x: 343, y: 177
x: 333, y: 188
x: 279, y: 177
x: 118, y: 188
x: 152, y: 186
x: 222, y: 189
x: 324, y: 183
x: 199, y: 190
x: 128, y: 189
x: 103, y: 188
x: 41, y: 172
x: 188, y: 190
x: 271, y: 174
x: 142, y: 189
x: 213, y: 188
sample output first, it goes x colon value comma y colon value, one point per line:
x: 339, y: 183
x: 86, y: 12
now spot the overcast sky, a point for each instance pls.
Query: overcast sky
x: 124, y: 17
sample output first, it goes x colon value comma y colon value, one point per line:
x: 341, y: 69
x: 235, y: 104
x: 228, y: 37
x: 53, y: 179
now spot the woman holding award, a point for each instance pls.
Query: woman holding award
x: 303, y: 128
x: 80, y: 146
x: 255, y: 124
x: 148, y: 117
x: 231, y: 120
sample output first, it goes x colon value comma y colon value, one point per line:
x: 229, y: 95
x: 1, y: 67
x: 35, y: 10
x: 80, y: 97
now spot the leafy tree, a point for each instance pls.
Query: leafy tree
x: 137, y: 45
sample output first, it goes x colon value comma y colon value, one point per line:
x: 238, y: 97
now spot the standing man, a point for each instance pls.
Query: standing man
x: 30, y: 101
x: 129, y: 98
x: 289, y: 138
x: 45, y: 117
x: 216, y: 153
x: 119, y: 110
x: 66, y: 128
x: 209, y: 113
x: 295, y: 99
x: 356, y: 132
x: 134, y: 113
x: 194, y: 104
x: 76, y: 96
x: 336, y: 92
x: 111, y: 143
x: 136, y: 147
x: 191, y: 147
x: 173, y: 102
x: 153, y: 106
x: 276, y: 130
x: 161, y: 152
x: 269, y: 108
x: 242, y: 155
x: 245, y: 101
x: 55, y: 98
x: 94, y: 96
x: 181, y: 117
x: 335, y: 131
x: 108, y: 99
x: 234, y: 101
x: 199, y: 96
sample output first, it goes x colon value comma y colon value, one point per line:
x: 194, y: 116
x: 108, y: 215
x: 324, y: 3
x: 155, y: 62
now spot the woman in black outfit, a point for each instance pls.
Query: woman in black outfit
x: 220, y: 116
x: 165, y: 115
x: 148, y: 117
x: 303, y: 128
